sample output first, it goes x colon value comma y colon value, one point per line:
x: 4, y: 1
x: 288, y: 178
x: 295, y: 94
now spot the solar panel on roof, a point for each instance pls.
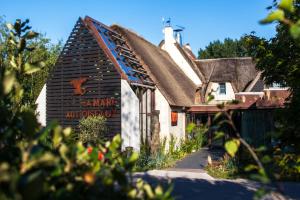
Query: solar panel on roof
x: 112, y: 46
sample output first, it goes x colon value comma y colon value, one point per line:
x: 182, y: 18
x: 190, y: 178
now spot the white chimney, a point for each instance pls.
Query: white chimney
x: 169, y: 35
x: 172, y: 49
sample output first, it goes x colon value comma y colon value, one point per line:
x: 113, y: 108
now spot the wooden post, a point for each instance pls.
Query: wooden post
x: 155, y: 129
x: 209, y: 132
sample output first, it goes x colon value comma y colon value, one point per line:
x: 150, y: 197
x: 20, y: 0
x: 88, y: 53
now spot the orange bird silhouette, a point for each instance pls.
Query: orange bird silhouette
x: 77, y: 84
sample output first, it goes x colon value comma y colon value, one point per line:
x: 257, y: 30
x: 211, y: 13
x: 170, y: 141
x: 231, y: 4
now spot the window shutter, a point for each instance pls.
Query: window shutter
x: 174, y: 118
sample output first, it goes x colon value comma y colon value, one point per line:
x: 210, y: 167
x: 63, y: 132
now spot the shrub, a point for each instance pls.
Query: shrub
x: 92, y: 129
x: 166, y: 158
x: 195, y: 138
x: 158, y: 160
x: 226, y: 168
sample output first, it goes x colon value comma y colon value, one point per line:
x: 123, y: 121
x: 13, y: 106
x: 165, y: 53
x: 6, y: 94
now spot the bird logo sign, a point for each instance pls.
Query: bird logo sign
x: 77, y: 86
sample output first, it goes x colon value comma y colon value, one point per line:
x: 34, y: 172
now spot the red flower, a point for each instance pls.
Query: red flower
x: 100, y: 156
x: 90, y: 150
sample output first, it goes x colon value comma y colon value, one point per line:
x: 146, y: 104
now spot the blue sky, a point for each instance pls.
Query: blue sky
x: 205, y: 20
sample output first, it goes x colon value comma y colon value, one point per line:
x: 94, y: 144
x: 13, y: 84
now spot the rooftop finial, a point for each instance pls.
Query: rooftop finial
x: 166, y: 23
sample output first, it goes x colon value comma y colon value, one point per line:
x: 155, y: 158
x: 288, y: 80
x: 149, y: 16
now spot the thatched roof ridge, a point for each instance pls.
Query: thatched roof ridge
x: 240, y: 72
x: 175, y: 86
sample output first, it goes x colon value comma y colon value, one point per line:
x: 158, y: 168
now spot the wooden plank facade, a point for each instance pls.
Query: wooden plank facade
x: 84, y: 82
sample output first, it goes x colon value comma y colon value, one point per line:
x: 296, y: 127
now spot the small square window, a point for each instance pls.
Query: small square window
x: 222, y: 88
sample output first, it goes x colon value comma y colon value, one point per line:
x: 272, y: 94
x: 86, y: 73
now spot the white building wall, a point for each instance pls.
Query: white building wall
x: 178, y: 58
x: 179, y: 130
x: 41, y: 106
x: 130, y: 131
x: 166, y: 129
x: 162, y: 105
x: 222, y: 97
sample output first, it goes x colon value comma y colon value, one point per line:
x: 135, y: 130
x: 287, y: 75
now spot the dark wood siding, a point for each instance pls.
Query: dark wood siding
x: 82, y: 58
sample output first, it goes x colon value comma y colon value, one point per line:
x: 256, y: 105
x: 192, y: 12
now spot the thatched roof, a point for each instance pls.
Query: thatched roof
x: 189, y: 52
x: 240, y: 72
x: 176, y: 87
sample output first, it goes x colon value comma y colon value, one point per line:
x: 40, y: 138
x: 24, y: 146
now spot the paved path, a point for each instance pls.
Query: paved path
x: 191, y: 181
x: 198, y: 160
x: 199, y: 185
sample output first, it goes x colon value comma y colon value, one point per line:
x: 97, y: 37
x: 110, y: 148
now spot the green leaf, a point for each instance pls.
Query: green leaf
x: 116, y: 143
x: 67, y: 131
x: 266, y: 159
x: 232, y: 146
x: 13, y: 62
x: 250, y: 167
x: 295, y: 30
x: 133, y: 158
x: 8, y: 82
x: 10, y: 26
x: 149, y: 191
x: 57, y: 136
x: 30, y: 35
x: 132, y: 193
x: 261, y: 149
x: 158, y: 191
x: 218, y: 135
x: 217, y: 116
x: 190, y: 127
x: 287, y: 5
x: 210, y: 97
x: 277, y: 15
x: 29, y: 68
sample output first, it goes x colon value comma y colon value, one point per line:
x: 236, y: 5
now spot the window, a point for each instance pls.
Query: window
x: 276, y: 85
x: 222, y: 88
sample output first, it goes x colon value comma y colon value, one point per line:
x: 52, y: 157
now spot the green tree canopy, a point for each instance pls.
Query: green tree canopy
x: 224, y: 49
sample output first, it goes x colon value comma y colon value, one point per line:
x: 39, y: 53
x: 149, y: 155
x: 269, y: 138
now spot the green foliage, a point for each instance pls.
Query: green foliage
x: 164, y: 158
x: 286, y: 12
x: 196, y: 137
x: 226, y: 168
x: 227, y: 49
x: 275, y: 15
x: 38, y: 49
x: 232, y: 146
x: 38, y: 163
x: 92, y: 130
x: 278, y: 59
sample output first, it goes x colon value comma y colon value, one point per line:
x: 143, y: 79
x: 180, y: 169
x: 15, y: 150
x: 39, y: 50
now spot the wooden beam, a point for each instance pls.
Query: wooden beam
x: 142, y: 85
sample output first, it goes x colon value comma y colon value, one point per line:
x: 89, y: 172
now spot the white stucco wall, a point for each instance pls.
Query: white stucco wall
x: 41, y: 106
x: 222, y: 97
x: 130, y: 130
x: 166, y: 129
x: 179, y: 130
x: 177, y: 57
x: 162, y: 105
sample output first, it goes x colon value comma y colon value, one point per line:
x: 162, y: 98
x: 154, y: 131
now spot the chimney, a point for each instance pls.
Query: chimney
x: 178, y: 38
x: 169, y: 35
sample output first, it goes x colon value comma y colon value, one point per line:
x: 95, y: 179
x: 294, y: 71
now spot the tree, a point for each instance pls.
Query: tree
x: 279, y: 60
x: 226, y: 49
x: 43, y: 49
